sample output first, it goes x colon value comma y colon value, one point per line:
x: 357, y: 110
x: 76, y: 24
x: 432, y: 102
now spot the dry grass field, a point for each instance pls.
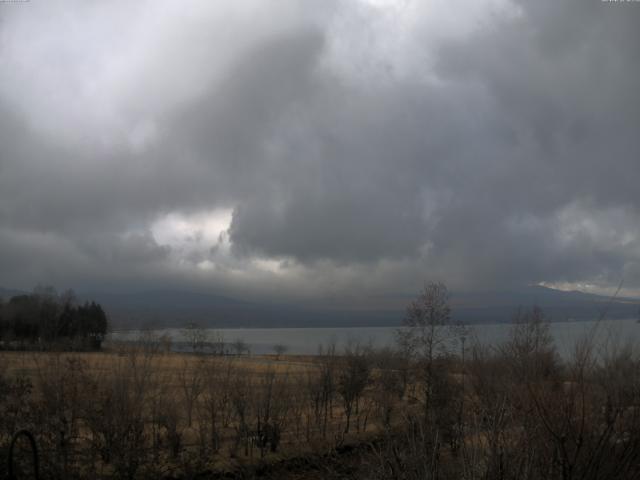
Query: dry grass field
x: 28, y: 363
x: 511, y: 411
x: 134, y: 412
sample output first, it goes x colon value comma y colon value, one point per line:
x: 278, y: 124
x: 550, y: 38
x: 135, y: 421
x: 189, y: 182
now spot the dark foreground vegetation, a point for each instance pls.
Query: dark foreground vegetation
x: 439, y: 406
x: 46, y: 320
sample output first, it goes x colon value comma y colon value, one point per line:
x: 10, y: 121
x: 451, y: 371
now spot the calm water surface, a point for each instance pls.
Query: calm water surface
x: 307, y: 340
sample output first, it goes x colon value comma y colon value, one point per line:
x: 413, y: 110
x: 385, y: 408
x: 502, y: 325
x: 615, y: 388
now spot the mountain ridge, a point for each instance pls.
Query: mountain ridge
x: 174, y: 308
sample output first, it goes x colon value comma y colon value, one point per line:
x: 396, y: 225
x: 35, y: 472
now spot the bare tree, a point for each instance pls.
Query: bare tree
x: 115, y: 416
x: 217, y: 342
x: 218, y: 380
x: 166, y: 343
x: 428, y: 333
x: 280, y: 349
x: 59, y: 380
x: 191, y: 384
x: 240, y: 346
x: 195, y: 336
x: 389, y: 385
x: 530, y: 346
x: 354, y: 376
x: 241, y: 405
x: 270, y: 410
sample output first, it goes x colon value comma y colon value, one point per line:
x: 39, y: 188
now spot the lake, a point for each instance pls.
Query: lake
x: 307, y: 340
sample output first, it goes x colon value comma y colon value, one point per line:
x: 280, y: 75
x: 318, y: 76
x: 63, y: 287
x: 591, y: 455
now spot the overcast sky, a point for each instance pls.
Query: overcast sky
x: 319, y: 149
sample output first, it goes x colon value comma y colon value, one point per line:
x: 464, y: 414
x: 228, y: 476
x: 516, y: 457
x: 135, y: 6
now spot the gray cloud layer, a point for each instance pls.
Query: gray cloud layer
x: 351, y: 148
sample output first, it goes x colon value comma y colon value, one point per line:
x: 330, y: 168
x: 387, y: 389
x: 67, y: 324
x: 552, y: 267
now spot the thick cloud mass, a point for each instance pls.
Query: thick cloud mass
x: 306, y: 150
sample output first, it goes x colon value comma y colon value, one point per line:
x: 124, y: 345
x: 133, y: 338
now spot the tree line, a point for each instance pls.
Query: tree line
x: 45, y: 318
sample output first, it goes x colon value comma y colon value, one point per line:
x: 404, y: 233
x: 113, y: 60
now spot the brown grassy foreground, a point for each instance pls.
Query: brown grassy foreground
x: 138, y: 413
x: 510, y: 412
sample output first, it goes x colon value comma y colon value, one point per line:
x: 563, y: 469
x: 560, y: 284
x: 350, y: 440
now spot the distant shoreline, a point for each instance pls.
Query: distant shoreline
x: 333, y: 327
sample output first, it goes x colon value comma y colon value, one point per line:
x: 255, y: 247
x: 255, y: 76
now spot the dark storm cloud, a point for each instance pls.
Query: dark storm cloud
x: 561, y: 80
x: 534, y: 115
x: 504, y: 153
